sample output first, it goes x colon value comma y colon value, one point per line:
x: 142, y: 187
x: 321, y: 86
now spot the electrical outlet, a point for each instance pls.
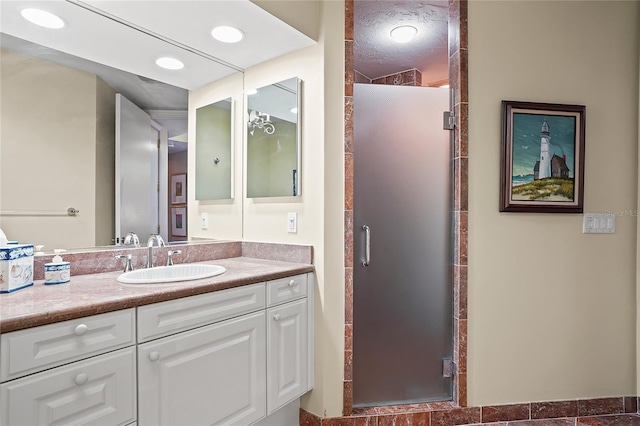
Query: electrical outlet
x: 204, y: 220
x: 292, y: 223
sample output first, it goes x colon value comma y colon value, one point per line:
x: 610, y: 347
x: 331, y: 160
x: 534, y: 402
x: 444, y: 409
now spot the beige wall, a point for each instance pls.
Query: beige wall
x: 49, y: 148
x: 552, y: 311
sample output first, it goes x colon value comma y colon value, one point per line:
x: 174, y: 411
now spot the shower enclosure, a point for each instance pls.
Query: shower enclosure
x: 403, y: 319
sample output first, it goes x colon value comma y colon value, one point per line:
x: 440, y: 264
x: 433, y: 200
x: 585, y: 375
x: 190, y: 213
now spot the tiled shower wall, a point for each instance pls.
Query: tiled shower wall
x: 458, y: 82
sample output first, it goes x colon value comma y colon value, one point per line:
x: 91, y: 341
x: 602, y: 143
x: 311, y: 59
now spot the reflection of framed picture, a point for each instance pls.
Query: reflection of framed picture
x: 179, y: 221
x: 542, y: 157
x: 179, y: 189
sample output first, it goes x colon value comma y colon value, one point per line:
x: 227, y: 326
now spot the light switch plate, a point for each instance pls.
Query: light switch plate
x: 204, y: 220
x: 598, y: 223
x: 292, y: 223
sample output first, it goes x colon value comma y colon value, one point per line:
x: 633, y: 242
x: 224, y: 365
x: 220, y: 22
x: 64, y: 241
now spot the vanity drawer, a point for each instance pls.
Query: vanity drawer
x: 31, y: 350
x: 165, y: 318
x: 97, y: 391
x: 286, y: 289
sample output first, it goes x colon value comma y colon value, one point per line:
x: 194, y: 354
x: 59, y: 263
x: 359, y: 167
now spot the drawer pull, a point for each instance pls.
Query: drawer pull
x: 154, y: 356
x: 292, y: 283
x: 81, y: 330
x: 276, y: 317
x: 81, y: 379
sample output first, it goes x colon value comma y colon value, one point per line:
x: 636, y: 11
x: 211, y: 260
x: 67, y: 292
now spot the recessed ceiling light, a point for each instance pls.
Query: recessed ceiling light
x: 169, y: 63
x: 294, y: 110
x: 403, y: 33
x: 42, y: 18
x: 227, y: 34
x: 252, y: 92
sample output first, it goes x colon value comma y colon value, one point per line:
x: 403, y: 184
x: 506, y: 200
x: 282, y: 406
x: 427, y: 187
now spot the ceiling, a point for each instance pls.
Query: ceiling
x: 376, y: 54
x: 119, y: 40
x: 131, y: 34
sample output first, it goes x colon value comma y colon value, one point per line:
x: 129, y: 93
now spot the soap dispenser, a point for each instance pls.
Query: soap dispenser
x: 58, y: 271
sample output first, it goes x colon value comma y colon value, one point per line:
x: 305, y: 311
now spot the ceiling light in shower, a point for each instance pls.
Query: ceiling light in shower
x: 294, y: 110
x: 42, y: 18
x: 403, y: 33
x: 227, y: 34
x: 169, y: 63
x: 252, y: 92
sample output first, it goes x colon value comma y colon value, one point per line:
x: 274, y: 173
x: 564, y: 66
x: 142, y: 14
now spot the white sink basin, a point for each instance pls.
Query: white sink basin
x: 166, y: 274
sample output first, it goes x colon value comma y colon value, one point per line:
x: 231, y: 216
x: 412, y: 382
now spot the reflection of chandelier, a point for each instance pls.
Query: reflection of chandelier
x: 261, y: 121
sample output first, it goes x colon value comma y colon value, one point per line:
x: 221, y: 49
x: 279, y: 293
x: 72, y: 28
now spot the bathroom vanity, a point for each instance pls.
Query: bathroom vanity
x: 230, y: 349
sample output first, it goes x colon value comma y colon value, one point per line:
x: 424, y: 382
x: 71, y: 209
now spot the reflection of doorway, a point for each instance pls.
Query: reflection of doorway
x: 136, y: 171
x: 177, y: 167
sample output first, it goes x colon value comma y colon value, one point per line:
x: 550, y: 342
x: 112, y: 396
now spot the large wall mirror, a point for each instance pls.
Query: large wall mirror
x: 214, y: 147
x: 78, y: 134
x: 59, y: 131
x: 273, y: 140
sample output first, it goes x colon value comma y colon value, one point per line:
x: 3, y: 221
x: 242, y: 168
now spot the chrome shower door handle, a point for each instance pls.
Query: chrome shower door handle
x: 367, y: 245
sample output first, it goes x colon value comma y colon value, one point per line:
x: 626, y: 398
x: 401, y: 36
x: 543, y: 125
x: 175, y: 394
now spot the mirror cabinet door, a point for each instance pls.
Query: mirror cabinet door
x: 214, y: 162
x: 273, y: 140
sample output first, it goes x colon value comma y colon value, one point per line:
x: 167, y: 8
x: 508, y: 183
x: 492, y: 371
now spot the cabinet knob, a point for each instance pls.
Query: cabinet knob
x: 81, y: 329
x: 154, y: 356
x: 276, y: 317
x: 81, y: 379
x: 292, y: 283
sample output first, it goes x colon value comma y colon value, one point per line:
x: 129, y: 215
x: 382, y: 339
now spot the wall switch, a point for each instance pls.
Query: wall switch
x: 204, y: 220
x: 292, y: 223
x: 598, y: 223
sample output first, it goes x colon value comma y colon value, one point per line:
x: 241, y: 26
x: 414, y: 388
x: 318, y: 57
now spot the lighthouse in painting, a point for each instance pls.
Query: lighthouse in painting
x: 544, y: 168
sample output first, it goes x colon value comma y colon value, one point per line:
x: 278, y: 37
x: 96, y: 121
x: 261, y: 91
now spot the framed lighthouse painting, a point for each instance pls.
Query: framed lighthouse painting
x: 542, y: 157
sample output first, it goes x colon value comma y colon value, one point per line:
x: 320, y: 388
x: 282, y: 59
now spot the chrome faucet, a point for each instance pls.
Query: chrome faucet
x: 128, y: 266
x: 131, y: 238
x: 170, y: 254
x: 150, y: 243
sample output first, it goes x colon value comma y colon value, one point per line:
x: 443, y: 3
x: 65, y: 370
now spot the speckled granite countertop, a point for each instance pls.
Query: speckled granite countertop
x: 99, y: 293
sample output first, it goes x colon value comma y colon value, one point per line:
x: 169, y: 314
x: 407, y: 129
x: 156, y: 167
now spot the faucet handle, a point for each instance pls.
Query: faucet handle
x: 170, y: 254
x: 131, y: 238
x: 157, y: 238
x: 128, y: 264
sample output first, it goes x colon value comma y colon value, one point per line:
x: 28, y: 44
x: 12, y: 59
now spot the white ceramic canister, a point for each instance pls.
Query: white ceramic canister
x: 58, y: 271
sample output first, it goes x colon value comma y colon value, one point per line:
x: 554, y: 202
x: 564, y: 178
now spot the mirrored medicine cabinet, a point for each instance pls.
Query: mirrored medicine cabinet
x: 214, y: 159
x: 273, y: 140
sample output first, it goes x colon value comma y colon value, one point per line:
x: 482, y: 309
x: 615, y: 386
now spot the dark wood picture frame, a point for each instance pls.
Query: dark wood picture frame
x: 542, y: 157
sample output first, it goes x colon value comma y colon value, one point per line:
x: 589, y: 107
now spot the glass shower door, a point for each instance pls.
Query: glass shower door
x: 403, y: 317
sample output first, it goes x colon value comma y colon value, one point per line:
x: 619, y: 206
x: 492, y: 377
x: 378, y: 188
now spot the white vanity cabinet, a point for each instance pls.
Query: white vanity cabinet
x: 231, y: 357
x: 214, y: 373
x: 80, y: 372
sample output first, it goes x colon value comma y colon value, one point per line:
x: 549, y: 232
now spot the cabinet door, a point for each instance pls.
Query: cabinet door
x: 95, y: 391
x: 213, y: 375
x: 286, y: 353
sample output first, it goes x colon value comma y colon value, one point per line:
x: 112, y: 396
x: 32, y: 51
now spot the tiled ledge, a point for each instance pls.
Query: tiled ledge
x: 622, y: 411
x: 104, y: 259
